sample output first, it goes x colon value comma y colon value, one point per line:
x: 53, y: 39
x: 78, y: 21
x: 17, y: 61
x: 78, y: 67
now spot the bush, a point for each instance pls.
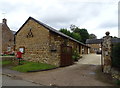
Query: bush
x: 75, y: 55
x: 118, y: 82
x: 116, y: 55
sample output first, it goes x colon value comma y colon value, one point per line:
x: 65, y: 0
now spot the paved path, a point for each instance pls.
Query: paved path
x: 93, y: 59
x: 86, y: 72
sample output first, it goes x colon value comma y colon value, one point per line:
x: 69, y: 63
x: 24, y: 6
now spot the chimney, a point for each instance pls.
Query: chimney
x: 4, y: 21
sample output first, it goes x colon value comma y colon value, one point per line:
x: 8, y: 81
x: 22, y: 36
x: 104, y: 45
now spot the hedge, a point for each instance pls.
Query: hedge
x: 116, y: 55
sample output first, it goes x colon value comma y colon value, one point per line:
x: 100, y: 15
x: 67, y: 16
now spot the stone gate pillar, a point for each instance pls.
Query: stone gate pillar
x: 106, y: 53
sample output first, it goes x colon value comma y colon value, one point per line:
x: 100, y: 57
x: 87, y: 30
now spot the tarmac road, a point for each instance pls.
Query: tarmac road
x: 86, y: 72
x: 9, y: 81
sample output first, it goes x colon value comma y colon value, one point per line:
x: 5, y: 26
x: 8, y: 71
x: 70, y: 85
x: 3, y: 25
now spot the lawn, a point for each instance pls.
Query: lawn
x: 32, y: 66
x: 7, y: 55
x: 5, y: 62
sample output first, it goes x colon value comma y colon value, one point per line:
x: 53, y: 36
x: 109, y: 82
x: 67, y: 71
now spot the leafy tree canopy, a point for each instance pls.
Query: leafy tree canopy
x: 81, y: 31
x: 92, y: 36
x: 80, y: 34
x: 71, y: 34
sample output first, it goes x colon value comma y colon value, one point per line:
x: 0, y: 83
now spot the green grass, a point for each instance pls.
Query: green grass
x: 7, y: 55
x: 31, y: 66
x: 117, y: 82
x: 5, y: 62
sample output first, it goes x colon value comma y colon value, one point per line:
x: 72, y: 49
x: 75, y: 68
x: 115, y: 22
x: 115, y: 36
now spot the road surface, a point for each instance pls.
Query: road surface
x: 9, y: 81
x: 86, y: 72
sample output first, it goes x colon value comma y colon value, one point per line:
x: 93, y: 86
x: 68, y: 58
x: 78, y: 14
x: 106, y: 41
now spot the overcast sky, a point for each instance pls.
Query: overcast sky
x: 97, y: 16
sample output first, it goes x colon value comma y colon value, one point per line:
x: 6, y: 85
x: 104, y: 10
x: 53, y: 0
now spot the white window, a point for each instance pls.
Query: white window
x: 8, y: 48
x: 22, y: 50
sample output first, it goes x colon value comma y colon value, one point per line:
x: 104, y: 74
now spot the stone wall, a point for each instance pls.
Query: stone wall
x: 11, y: 58
x: 74, y: 45
x: 55, y: 48
x: 7, y: 38
x: 85, y: 50
x: 55, y: 44
x: 94, y: 47
x: 36, y: 46
x: 41, y: 44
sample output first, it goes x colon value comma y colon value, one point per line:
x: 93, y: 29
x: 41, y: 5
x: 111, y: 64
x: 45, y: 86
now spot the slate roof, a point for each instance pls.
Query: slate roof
x: 116, y: 40
x: 99, y: 41
x: 13, y: 31
x: 51, y: 29
x: 94, y: 41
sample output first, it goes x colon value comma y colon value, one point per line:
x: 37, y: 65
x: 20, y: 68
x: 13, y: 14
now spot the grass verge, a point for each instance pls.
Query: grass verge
x: 5, y: 62
x: 118, y: 82
x: 32, y: 66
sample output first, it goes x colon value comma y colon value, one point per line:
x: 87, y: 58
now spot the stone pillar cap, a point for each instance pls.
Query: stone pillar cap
x: 107, y: 33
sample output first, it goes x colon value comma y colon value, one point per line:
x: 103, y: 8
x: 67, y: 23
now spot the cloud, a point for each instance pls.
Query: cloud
x: 94, y: 15
x: 110, y: 24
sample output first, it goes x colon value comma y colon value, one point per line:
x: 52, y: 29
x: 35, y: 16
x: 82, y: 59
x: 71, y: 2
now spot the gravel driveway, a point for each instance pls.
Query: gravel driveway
x: 86, y: 72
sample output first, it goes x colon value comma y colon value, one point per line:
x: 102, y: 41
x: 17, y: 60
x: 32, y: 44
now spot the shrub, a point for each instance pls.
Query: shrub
x: 116, y: 55
x: 75, y: 55
x: 118, y: 82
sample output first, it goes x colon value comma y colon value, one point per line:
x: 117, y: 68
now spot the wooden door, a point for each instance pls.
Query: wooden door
x: 66, y: 56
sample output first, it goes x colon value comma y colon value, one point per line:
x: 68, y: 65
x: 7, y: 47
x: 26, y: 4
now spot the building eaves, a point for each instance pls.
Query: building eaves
x: 51, y: 29
x: 99, y: 41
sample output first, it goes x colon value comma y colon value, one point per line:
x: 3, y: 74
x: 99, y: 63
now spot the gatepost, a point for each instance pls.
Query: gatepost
x: 106, y: 53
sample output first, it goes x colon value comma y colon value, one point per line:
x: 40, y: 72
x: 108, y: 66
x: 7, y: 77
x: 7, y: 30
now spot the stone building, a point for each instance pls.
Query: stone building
x: 107, y: 42
x: 94, y: 46
x: 41, y: 43
x: 7, y: 38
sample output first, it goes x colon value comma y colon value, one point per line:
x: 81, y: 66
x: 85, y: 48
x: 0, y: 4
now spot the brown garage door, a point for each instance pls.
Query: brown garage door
x: 66, y: 55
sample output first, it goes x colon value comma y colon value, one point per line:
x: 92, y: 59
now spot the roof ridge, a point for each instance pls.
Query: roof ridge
x: 54, y: 30
x: 51, y: 29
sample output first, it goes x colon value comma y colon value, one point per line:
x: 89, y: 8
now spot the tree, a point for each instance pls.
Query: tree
x: 71, y: 34
x: 82, y: 32
x: 72, y: 27
x: 115, y: 37
x: 92, y: 36
x: 76, y: 36
x: 65, y: 31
